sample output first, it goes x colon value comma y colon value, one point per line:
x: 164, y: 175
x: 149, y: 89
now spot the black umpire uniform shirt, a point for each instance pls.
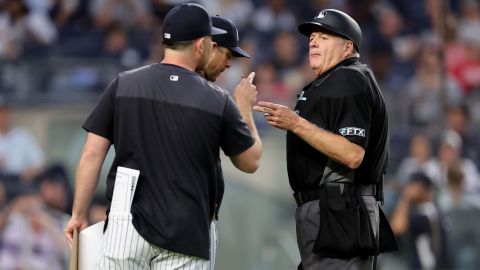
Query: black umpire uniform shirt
x: 170, y: 123
x: 347, y: 101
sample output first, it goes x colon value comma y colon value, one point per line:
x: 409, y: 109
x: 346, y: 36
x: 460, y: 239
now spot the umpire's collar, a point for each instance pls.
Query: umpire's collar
x: 346, y: 62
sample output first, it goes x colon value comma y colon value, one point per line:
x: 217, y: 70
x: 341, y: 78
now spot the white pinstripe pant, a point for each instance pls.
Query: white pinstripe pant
x: 124, y: 248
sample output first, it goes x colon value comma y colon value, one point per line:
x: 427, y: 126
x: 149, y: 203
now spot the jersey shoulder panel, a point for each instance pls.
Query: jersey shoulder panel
x: 343, y: 82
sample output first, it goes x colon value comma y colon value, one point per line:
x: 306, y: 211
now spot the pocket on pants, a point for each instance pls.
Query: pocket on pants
x: 345, y: 228
x: 119, y: 236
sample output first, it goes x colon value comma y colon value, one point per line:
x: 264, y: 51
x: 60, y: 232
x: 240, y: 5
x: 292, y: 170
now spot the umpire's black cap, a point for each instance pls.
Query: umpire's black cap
x: 188, y: 22
x: 336, y: 22
x: 230, y: 39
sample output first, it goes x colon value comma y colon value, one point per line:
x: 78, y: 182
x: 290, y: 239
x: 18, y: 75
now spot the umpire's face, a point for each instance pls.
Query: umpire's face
x: 327, y: 50
x: 218, y: 62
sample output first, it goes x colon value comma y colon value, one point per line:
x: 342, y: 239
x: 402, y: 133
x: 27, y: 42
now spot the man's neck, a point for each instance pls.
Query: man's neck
x: 180, y: 59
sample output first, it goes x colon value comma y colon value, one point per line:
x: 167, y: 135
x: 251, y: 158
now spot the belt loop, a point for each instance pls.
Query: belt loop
x: 342, y: 186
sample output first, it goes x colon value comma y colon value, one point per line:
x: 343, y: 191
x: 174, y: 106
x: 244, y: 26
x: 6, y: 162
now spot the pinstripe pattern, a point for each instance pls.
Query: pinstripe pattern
x: 124, y: 248
x: 213, y: 244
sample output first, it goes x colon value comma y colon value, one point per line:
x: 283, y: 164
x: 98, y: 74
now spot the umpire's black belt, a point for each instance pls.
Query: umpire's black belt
x: 302, y: 197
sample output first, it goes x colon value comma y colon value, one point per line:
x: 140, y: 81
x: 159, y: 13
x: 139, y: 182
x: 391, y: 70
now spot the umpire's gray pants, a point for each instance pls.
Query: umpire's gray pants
x: 124, y: 248
x: 307, y: 218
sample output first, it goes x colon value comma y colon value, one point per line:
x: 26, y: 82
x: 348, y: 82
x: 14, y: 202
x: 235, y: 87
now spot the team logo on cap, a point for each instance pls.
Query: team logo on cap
x: 321, y: 15
x: 167, y: 35
x: 174, y: 78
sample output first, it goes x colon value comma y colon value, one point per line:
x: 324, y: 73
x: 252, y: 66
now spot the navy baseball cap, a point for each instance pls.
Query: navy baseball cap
x: 188, y: 22
x: 230, y: 39
x: 422, y: 178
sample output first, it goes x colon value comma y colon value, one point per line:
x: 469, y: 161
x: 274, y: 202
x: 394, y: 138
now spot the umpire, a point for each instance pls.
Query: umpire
x: 168, y: 122
x: 337, y: 150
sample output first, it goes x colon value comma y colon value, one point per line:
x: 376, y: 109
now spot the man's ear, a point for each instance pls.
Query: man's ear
x: 349, y: 47
x: 198, y: 45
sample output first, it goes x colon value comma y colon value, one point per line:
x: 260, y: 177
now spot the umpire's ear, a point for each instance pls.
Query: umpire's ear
x: 348, y: 47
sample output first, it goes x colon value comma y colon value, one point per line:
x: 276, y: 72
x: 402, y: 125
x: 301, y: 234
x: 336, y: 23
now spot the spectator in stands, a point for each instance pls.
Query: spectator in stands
x: 40, y: 24
x: 285, y: 53
x: 458, y: 120
x: 419, y: 221
x: 30, y: 238
x: 448, y: 158
x: 239, y: 12
x: 160, y: 8
x: 466, y: 72
x: 272, y: 88
x: 127, y: 26
x: 391, y: 40
x: 156, y: 49
x: 77, y: 36
x: 54, y: 190
x: 415, y: 14
x: 28, y: 28
x: 419, y: 160
x: 13, y: 28
x: 273, y: 16
x: 454, y: 48
x: 131, y: 13
x: 63, y: 10
x: 423, y: 107
x: 116, y: 41
x: 20, y: 155
x: 269, y: 19
x: 453, y: 198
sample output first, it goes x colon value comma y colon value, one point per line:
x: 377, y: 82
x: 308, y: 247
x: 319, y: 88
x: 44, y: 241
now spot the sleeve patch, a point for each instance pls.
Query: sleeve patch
x: 352, y: 131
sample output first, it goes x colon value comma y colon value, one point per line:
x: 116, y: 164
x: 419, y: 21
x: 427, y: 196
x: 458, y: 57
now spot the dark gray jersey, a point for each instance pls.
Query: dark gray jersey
x: 170, y: 123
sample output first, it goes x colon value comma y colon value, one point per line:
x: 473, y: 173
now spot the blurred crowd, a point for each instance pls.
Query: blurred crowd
x: 425, y: 55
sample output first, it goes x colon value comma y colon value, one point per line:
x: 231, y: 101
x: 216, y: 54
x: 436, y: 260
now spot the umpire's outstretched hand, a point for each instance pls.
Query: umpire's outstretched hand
x: 278, y: 115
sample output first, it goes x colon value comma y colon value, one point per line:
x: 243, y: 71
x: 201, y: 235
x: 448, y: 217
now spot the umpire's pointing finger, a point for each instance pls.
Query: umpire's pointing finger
x: 266, y: 104
x: 260, y: 109
x: 265, y: 107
